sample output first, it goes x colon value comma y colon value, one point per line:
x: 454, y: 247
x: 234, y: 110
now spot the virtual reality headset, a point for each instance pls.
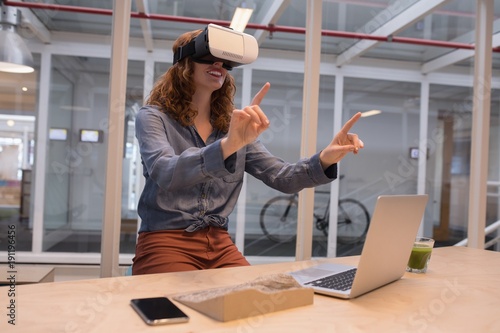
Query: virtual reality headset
x: 220, y: 44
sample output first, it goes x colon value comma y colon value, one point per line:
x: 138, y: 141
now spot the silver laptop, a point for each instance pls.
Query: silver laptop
x: 393, y: 228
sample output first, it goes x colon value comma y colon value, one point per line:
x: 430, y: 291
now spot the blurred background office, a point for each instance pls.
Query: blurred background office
x: 415, y: 61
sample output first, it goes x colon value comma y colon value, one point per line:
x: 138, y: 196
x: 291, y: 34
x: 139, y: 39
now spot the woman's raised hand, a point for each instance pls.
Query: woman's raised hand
x: 246, y: 125
x: 342, y: 144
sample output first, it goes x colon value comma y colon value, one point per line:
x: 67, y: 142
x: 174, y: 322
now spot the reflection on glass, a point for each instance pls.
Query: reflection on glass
x: 283, y: 107
x: 450, y: 125
x: 18, y: 94
x: 75, y: 172
x: 132, y: 168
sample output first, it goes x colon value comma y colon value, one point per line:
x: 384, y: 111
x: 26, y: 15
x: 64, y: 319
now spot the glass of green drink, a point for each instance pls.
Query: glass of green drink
x: 420, y: 255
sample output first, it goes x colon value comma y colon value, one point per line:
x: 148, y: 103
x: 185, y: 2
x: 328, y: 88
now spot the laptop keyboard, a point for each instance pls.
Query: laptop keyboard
x: 340, y: 281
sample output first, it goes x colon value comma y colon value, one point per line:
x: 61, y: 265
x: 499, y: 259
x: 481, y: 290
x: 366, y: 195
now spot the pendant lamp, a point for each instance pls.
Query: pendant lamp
x: 15, y: 57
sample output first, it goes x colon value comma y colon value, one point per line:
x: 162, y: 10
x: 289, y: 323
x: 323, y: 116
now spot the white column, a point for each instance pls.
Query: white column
x: 480, y: 123
x: 309, y: 124
x: 246, y: 99
x: 422, y: 156
x: 40, y: 166
x: 334, y: 188
x: 110, y: 246
x: 149, y: 78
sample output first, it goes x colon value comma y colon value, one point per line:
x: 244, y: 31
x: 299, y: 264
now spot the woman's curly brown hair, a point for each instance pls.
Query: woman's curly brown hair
x: 173, y: 91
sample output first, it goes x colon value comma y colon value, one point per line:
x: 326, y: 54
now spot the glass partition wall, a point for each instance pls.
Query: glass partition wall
x: 18, y: 116
x: 449, y: 161
x: 76, y: 160
x: 283, y: 107
x: 76, y: 155
x: 67, y: 226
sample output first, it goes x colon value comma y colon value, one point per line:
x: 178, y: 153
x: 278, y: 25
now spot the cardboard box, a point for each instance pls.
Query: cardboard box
x: 264, y: 295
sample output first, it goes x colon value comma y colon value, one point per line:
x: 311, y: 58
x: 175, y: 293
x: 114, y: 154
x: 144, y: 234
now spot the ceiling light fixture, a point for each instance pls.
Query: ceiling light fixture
x: 370, y: 113
x: 15, y: 57
x: 240, y: 18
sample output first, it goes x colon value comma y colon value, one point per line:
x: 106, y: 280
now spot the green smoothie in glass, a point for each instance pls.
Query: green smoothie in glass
x: 420, y: 255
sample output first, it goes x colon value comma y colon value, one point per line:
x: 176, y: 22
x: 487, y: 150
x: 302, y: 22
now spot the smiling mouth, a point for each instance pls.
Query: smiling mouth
x: 215, y: 73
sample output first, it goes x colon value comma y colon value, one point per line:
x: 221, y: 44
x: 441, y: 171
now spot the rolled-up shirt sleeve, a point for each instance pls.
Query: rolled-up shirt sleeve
x: 169, y: 158
x: 283, y: 176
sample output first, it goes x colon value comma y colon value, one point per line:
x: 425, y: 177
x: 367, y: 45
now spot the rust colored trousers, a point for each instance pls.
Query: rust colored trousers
x: 178, y: 250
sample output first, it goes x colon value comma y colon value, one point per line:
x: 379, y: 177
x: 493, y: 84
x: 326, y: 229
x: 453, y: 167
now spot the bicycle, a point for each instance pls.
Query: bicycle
x: 278, y: 219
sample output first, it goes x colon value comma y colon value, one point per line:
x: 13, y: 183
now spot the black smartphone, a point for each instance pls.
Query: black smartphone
x: 158, y: 311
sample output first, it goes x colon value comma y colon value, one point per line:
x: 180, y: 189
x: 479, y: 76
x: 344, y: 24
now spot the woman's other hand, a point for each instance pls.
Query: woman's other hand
x: 342, y: 144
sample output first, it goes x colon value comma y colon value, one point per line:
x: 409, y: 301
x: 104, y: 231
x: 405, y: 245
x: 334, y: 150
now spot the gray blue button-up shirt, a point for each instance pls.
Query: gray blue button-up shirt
x: 190, y: 186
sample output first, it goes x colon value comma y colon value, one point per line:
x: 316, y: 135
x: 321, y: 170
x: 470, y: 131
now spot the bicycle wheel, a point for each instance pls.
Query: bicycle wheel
x: 278, y: 219
x: 353, y: 221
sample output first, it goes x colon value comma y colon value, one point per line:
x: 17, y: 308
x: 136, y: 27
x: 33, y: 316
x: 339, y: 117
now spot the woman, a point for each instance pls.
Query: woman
x: 195, y: 148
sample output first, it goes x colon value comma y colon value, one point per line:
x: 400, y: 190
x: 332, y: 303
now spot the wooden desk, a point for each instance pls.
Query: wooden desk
x: 459, y: 293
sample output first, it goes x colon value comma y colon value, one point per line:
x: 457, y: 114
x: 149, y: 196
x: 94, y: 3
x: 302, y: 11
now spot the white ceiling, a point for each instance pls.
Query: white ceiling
x: 447, y: 21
